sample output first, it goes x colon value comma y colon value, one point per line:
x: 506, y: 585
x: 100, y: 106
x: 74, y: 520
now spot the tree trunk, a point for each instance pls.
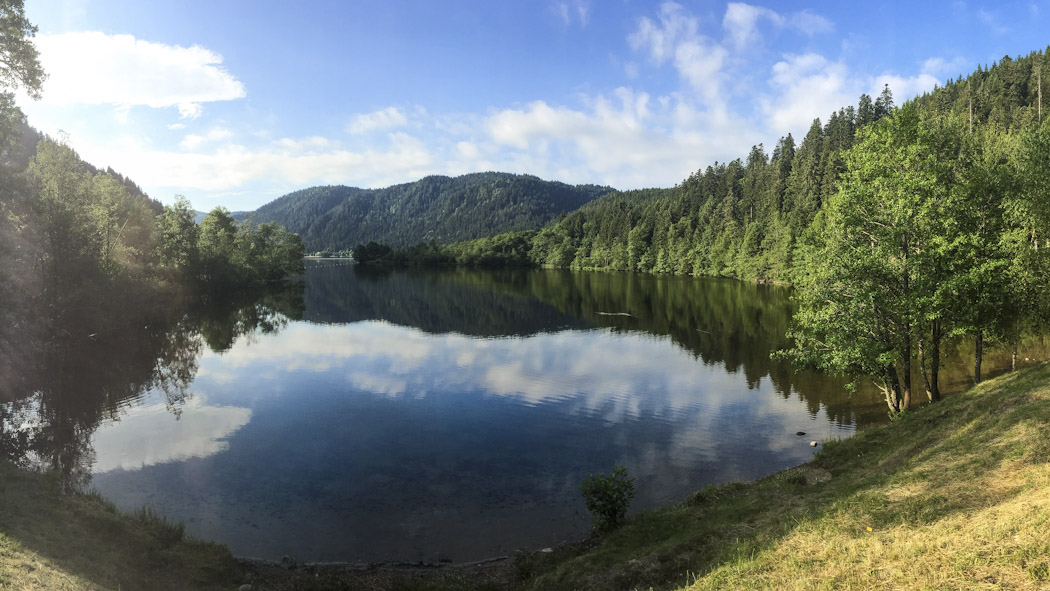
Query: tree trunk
x: 930, y: 362
x: 892, y: 389
x: 935, y: 362
x: 922, y: 368
x: 906, y: 386
x: 906, y: 357
x: 977, y: 357
x: 969, y: 95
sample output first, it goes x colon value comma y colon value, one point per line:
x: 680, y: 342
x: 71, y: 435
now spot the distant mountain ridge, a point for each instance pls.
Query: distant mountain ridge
x: 436, y: 208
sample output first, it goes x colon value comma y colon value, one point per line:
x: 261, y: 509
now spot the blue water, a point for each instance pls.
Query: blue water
x: 453, y: 417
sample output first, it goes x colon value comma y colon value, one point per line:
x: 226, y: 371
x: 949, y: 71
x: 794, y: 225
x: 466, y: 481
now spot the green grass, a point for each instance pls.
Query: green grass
x: 50, y: 540
x: 955, y: 495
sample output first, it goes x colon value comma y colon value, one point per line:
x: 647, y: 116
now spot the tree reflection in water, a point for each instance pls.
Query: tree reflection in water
x: 102, y: 354
x: 105, y: 351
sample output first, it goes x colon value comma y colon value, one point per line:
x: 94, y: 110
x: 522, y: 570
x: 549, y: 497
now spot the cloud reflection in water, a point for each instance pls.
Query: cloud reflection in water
x: 596, y: 368
x: 149, y: 434
x: 372, y: 441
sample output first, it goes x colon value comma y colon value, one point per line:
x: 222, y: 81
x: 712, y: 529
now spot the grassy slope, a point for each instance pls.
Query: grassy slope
x: 956, y: 496
x: 78, y: 542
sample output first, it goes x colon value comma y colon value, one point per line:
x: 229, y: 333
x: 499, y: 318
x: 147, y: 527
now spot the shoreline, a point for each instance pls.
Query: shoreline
x: 290, y: 563
x: 940, y: 486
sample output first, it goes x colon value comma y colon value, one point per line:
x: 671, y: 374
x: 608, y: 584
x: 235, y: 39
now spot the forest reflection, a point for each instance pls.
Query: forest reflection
x: 72, y: 376
x: 721, y: 322
x: 67, y: 375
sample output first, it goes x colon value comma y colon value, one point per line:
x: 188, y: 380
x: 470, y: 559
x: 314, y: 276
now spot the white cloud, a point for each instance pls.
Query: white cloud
x: 992, y: 21
x: 190, y: 110
x: 385, y: 119
x: 312, y: 143
x: 660, y: 40
x: 468, y: 150
x: 583, y: 12
x: 576, y: 10
x: 627, y: 140
x: 563, y: 11
x: 903, y: 87
x: 809, y: 23
x: 701, y: 64
x: 741, y: 22
x: 193, y: 141
x: 805, y: 87
x: 808, y: 86
x: 285, y: 162
x: 941, y: 68
x: 95, y: 68
x: 675, y: 38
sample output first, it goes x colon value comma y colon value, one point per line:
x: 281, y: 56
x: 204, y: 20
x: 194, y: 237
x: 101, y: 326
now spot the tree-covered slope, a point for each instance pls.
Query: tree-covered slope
x: 746, y: 218
x: 436, y: 208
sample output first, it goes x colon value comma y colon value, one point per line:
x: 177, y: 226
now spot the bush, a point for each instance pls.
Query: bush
x: 607, y: 498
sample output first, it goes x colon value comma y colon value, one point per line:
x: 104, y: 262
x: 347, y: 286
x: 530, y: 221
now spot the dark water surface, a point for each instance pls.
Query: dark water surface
x: 440, y: 415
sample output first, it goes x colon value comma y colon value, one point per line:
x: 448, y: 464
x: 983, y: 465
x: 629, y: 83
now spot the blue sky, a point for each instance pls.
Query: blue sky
x: 236, y: 103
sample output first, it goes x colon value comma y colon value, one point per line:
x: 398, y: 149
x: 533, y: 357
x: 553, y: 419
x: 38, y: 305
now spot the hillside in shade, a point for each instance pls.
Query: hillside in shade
x: 436, y: 208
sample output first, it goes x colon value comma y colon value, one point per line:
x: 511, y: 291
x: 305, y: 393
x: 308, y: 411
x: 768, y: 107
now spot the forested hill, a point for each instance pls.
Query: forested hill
x: 436, y: 208
x: 745, y: 218
x: 23, y: 148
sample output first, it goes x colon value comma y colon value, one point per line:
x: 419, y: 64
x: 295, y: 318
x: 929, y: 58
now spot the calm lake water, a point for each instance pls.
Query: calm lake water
x: 426, y: 416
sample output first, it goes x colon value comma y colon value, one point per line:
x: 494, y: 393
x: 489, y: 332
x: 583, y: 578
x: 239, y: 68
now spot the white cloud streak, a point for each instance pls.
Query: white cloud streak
x: 741, y: 23
x: 992, y: 21
x: 810, y: 23
x: 675, y: 38
x: 574, y: 11
x: 95, y: 68
x: 660, y: 39
x: 193, y: 141
x: 285, y: 162
x: 382, y: 120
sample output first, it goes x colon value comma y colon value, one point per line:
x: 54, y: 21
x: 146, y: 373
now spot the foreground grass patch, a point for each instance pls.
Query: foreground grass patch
x: 954, y: 495
x: 50, y: 540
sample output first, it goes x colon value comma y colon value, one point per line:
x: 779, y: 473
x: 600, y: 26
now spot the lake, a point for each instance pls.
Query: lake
x: 368, y: 416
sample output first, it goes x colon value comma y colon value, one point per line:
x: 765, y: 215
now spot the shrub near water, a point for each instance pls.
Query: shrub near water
x: 607, y: 498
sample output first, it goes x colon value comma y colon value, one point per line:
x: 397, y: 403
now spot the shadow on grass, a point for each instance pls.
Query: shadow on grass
x: 64, y: 541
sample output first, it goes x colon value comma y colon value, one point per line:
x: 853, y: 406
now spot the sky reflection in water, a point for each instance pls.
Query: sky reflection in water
x: 374, y: 442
